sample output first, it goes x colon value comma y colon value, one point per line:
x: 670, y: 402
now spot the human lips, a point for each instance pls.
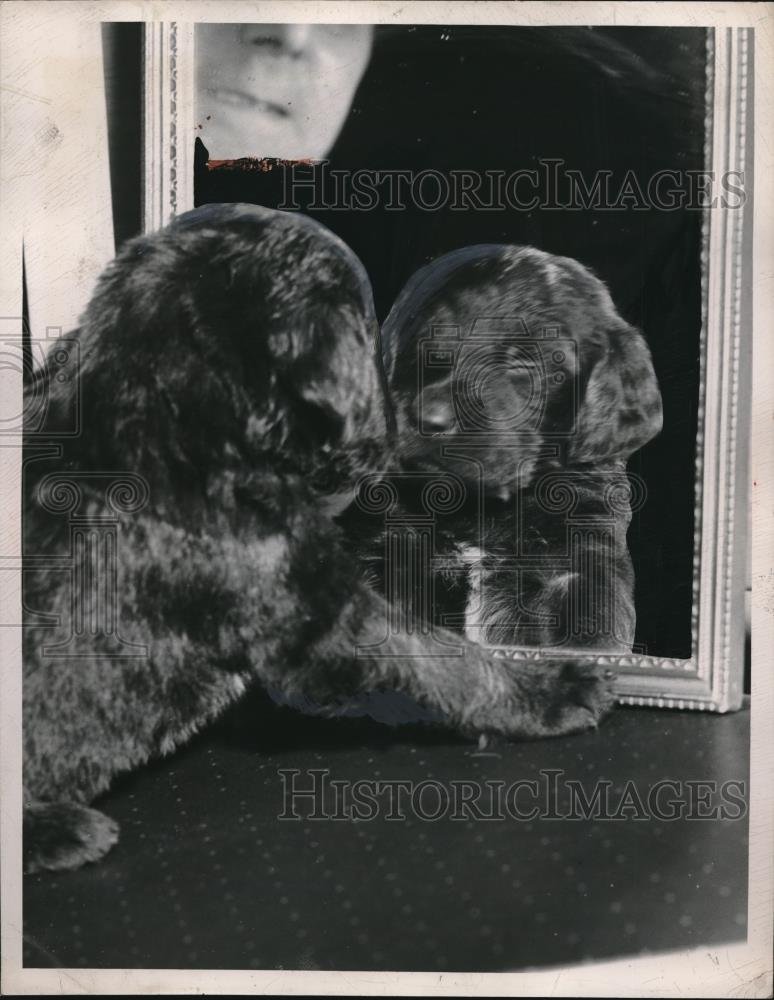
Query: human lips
x: 241, y: 99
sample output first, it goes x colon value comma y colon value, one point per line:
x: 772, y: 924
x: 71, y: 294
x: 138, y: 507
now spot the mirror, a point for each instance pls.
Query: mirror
x: 622, y: 148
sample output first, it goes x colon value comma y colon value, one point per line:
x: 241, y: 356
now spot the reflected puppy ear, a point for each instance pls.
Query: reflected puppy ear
x: 621, y: 408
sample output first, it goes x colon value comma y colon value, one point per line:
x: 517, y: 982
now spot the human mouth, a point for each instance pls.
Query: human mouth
x: 241, y: 99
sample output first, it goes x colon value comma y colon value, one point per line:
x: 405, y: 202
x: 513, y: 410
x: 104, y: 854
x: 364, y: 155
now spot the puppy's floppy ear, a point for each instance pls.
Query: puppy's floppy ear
x: 621, y: 406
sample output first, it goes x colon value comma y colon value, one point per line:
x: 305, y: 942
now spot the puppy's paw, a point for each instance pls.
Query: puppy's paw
x: 581, y: 697
x: 62, y: 835
x: 545, y: 699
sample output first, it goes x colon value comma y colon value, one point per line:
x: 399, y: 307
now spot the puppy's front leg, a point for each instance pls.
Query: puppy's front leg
x: 471, y: 687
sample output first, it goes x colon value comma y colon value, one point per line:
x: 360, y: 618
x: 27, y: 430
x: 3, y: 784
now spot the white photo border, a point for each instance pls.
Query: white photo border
x: 715, y: 971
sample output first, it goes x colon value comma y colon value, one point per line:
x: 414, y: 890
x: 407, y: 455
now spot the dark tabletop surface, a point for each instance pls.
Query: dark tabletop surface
x: 207, y: 876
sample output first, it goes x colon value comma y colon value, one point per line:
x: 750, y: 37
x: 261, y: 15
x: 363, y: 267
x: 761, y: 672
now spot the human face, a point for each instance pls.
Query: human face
x: 278, y: 90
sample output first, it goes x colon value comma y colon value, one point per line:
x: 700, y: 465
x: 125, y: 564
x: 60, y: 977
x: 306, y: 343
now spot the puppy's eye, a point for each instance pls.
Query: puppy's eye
x: 520, y: 369
x: 519, y: 360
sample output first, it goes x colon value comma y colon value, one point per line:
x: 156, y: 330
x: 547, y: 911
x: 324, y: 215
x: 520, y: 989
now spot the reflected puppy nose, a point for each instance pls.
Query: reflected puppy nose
x: 434, y: 416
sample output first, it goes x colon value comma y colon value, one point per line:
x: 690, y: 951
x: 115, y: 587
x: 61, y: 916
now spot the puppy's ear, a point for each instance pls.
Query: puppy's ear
x: 621, y: 406
x: 341, y: 382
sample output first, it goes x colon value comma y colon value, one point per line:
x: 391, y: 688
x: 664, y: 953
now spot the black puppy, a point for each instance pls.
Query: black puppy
x: 512, y: 373
x: 180, y: 546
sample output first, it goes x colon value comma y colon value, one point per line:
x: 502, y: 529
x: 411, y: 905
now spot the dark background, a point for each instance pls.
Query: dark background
x: 481, y: 98
x: 206, y: 877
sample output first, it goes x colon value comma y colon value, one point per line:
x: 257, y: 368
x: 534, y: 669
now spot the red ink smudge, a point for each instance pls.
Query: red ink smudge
x: 263, y: 164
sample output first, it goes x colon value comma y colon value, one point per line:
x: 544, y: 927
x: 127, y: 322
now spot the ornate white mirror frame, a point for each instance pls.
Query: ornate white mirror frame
x: 712, y: 678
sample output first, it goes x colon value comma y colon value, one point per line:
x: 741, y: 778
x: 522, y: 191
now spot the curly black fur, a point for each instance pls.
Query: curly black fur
x: 230, y: 369
x: 549, y: 393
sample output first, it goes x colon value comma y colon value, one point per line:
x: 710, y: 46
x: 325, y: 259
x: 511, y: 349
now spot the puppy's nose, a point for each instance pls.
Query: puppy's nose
x: 434, y: 417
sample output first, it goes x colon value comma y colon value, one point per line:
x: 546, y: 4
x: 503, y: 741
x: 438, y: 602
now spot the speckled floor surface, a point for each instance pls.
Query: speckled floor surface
x: 206, y: 876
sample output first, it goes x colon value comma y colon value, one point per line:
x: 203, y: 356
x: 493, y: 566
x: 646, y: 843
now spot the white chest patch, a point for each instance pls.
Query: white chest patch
x: 472, y: 556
